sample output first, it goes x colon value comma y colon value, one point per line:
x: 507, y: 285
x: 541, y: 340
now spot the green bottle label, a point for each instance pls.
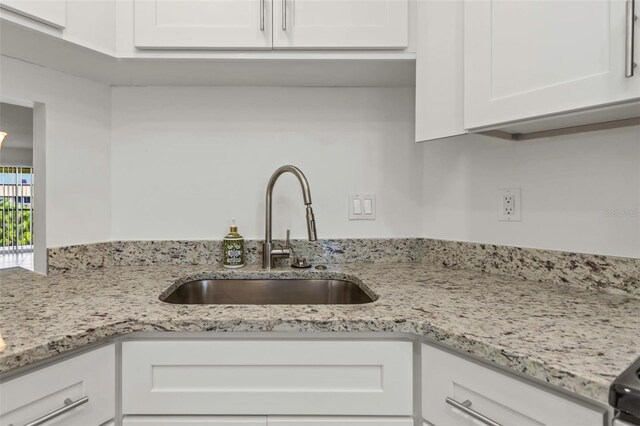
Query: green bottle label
x: 233, y: 252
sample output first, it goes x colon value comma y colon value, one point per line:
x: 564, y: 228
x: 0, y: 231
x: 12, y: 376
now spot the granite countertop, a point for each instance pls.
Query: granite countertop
x: 577, y: 339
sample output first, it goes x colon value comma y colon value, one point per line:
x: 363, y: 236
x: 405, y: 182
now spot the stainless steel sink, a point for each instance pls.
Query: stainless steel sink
x: 268, y: 292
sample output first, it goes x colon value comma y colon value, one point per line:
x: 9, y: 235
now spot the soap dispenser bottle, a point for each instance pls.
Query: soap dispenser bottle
x: 233, y: 248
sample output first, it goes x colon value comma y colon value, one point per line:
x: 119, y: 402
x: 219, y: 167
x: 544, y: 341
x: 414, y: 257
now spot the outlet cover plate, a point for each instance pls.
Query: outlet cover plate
x: 509, y: 205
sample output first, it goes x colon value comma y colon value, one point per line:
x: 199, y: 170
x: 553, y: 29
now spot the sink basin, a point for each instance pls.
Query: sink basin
x: 268, y: 292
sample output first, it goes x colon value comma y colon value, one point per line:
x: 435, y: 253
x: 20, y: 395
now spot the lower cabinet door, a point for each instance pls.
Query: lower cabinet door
x: 339, y: 421
x: 194, y: 420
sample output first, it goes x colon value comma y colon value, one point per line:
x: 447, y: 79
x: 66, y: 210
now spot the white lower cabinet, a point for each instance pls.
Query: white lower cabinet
x: 265, y: 421
x: 283, y: 383
x: 263, y: 377
x: 194, y: 420
x: 80, y: 389
x: 457, y: 391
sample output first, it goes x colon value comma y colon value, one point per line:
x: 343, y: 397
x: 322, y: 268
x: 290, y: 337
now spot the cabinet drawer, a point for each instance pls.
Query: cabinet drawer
x: 194, y: 420
x: 267, y: 377
x: 500, y: 397
x: 91, y: 375
x: 340, y: 421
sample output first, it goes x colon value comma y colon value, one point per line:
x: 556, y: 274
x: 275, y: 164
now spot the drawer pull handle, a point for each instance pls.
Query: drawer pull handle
x: 284, y: 15
x: 464, y: 407
x: 68, y: 406
x: 630, y: 35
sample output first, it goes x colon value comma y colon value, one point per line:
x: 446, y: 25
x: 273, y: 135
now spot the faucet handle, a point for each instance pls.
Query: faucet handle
x: 287, y: 243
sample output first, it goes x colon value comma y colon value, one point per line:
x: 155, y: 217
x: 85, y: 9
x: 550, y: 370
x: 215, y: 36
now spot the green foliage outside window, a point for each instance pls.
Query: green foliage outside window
x: 12, y: 233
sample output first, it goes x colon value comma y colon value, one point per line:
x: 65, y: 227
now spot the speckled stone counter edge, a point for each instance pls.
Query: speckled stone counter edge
x: 614, y: 274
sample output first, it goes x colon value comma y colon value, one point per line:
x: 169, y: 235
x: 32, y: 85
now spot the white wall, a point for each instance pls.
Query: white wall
x: 182, y: 161
x: 579, y: 193
x: 185, y: 160
x: 77, y: 149
x: 17, y: 157
x: 17, y: 147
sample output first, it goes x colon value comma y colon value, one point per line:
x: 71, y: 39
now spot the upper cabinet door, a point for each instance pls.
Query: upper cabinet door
x: 340, y: 24
x: 531, y: 58
x: 203, y: 24
x: 51, y: 12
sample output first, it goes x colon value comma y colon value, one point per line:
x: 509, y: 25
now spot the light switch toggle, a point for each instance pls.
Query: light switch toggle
x: 357, y: 206
x: 362, y: 207
x: 368, y: 206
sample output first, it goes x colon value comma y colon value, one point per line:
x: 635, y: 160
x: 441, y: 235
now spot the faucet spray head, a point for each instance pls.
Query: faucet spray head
x: 311, y: 224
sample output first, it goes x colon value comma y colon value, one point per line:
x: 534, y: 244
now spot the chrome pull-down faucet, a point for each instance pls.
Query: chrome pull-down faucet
x: 269, y: 251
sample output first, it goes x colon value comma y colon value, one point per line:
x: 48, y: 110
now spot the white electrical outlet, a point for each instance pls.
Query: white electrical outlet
x: 362, y: 206
x: 509, y: 205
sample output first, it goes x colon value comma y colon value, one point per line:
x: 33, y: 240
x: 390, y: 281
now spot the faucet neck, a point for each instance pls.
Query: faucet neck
x: 306, y: 194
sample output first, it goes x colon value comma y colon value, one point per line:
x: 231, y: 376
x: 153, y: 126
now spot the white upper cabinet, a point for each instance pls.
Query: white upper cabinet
x: 247, y: 24
x: 526, y: 59
x: 340, y: 24
x: 439, y: 70
x: 50, y: 12
x: 202, y: 24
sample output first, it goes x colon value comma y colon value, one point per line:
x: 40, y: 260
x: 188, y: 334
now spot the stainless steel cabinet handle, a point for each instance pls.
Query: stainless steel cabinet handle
x: 261, y: 15
x: 630, y: 36
x: 68, y: 406
x: 464, y: 407
x: 284, y: 15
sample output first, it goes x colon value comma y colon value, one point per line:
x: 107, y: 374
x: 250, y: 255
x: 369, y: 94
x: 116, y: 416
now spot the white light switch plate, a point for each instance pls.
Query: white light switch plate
x: 362, y: 206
